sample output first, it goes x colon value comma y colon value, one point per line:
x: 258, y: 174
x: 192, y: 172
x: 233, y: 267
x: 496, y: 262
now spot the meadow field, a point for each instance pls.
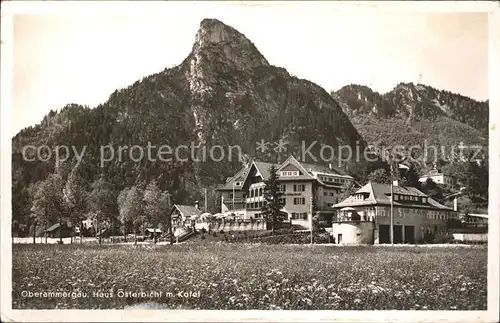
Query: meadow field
x: 249, y: 276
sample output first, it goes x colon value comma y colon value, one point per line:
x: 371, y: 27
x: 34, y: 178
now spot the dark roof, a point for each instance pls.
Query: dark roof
x: 230, y: 181
x: 379, y: 194
x: 325, y: 169
x: 263, y: 168
x: 52, y: 227
x: 187, y: 210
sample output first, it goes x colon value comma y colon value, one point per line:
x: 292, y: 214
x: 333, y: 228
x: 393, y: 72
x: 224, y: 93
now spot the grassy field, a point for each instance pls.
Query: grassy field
x: 244, y: 276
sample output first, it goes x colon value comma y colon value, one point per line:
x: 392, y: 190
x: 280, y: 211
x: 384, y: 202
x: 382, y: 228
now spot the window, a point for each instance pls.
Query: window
x: 289, y: 173
x: 325, y: 193
x: 283, y: 201
x: 230, y: 195
x: 299, y: 200
x: 251, y: 193
x: 237, y: 183
x: 304, y: 216
x: 396, y: 197
x: 299, y: 188
x: 331, y: 193
x: 282, y: 187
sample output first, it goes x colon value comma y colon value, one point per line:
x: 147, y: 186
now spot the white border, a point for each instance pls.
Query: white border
x: 491, y: 315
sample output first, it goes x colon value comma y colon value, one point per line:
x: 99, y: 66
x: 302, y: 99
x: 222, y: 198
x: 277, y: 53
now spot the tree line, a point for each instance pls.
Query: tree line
x: 69, y: 201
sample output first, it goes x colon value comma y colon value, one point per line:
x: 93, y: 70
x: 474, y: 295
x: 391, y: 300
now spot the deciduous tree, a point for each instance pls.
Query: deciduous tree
x: 156, y: 205
x: 75, y: 200
x: 48, y: 202
x: 102, y: 202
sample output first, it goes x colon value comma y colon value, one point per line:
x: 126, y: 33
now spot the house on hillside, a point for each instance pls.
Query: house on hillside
x: 415, y: 215
x: 303, y: 185
x: 439, y: 178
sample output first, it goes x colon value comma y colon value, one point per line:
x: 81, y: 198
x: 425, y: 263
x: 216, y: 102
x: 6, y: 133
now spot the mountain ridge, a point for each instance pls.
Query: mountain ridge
x: 223, y: 93
x: 417, y: 111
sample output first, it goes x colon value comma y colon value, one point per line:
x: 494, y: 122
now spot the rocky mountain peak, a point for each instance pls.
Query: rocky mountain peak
x: 219, y: 43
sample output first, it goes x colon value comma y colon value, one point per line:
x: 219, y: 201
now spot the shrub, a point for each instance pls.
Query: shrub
x: 442, y: 238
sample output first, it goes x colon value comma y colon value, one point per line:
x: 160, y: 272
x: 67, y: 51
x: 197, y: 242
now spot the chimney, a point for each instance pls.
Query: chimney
x: 455, y: 204
x: 395, y: 182
x: 330, y: 166
x: 196, y: 204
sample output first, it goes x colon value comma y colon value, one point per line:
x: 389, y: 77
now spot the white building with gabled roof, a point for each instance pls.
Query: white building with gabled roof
x: 415, y: 214
x: 301, y: 184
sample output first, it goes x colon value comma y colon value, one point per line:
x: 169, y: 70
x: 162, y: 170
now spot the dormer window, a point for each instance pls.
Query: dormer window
x: 289, y: 173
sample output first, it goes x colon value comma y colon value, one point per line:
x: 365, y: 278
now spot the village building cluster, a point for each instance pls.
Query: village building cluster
x: 314, y: 190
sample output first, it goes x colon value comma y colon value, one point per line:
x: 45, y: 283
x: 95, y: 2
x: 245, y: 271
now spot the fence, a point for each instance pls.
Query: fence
x: 471, y: 237
x: 240, y: 225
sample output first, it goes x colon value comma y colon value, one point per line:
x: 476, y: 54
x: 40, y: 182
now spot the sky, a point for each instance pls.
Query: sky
x: 83, y: 56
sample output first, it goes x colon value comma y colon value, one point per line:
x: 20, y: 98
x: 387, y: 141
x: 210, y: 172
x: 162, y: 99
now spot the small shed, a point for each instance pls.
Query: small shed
x: 150, y: 233
x: 57, y: 230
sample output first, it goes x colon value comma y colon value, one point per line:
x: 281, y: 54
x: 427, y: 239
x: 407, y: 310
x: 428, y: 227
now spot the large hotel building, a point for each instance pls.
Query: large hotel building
x: 302, y: 186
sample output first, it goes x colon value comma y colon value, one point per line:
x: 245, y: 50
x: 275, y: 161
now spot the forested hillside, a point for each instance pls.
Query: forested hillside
x: 410, y: 114
x: 224, y: 93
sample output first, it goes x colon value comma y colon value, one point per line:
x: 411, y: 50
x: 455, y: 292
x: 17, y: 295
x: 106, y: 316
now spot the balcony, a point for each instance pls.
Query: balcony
x: 236, y: 200
x: 254, y: 199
